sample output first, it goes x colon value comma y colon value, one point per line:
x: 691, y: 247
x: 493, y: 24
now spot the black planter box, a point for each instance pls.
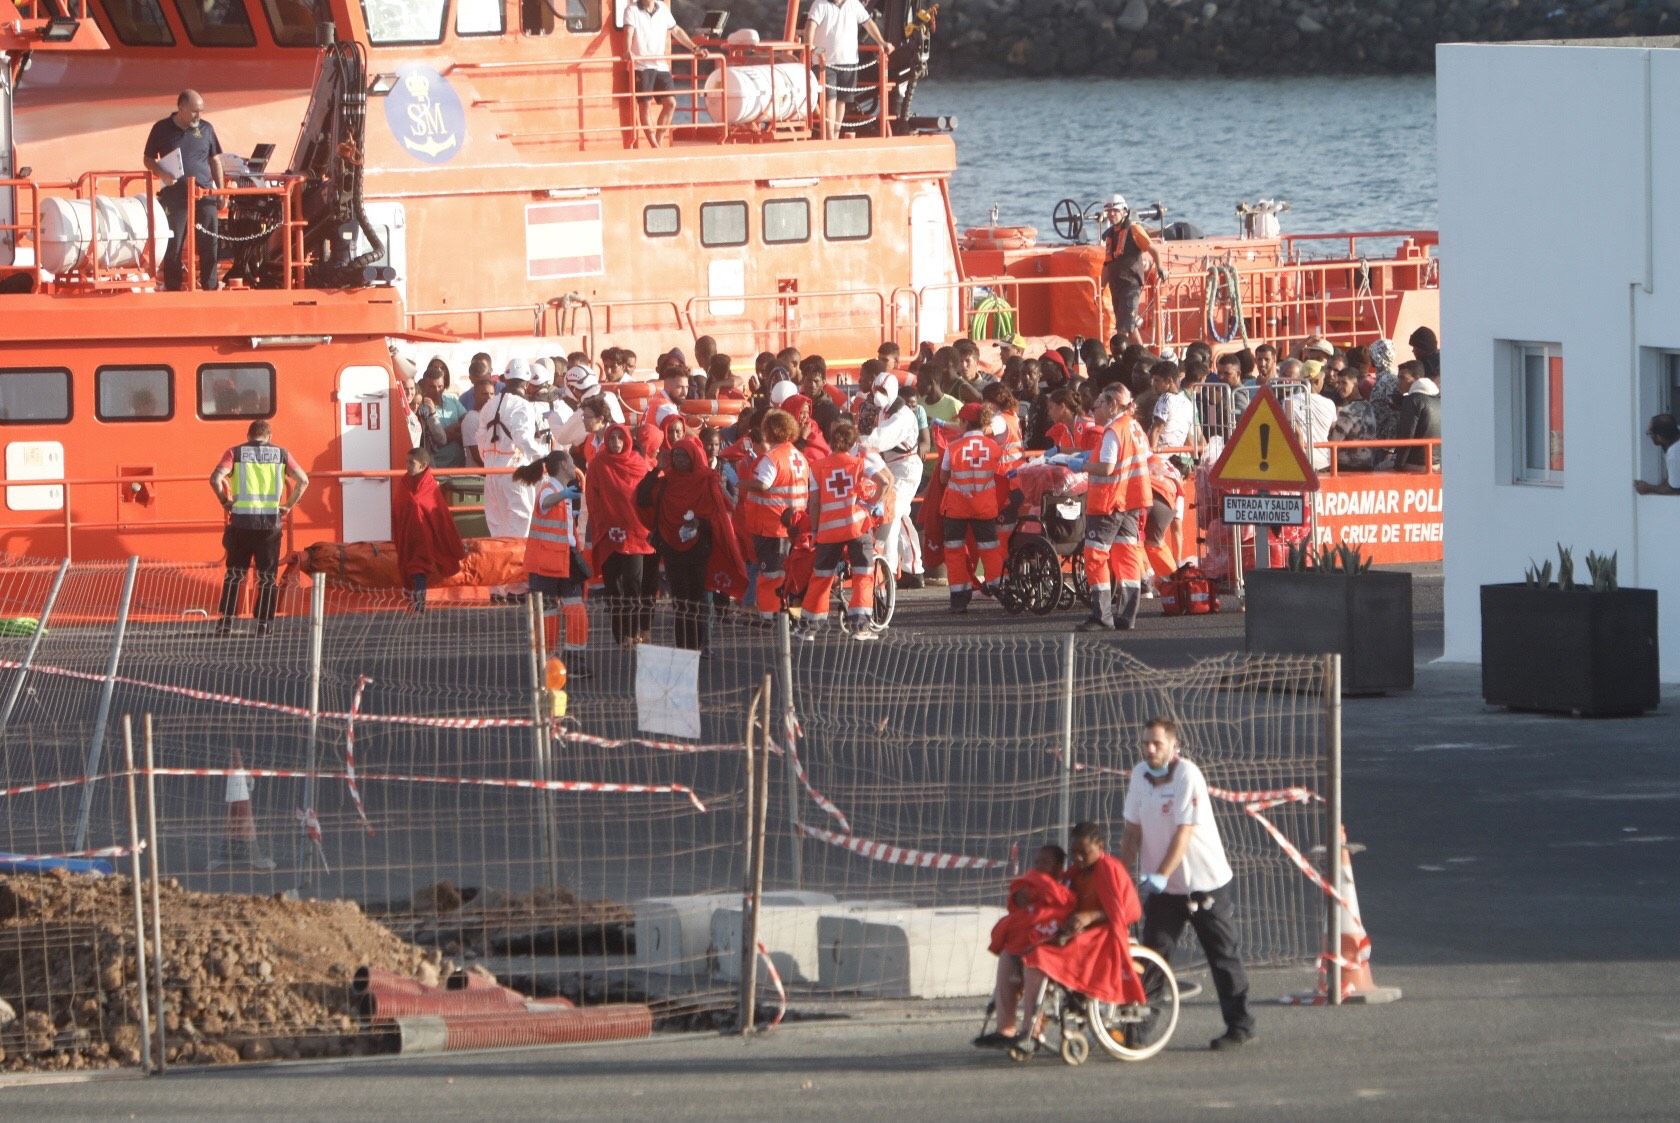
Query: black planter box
x: 1365, y: 617
x: 1578, y: 652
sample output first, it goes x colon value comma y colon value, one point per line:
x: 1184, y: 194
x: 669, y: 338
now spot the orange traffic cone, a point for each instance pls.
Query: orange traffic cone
x: 239, y: 847
x: 1353, y: 955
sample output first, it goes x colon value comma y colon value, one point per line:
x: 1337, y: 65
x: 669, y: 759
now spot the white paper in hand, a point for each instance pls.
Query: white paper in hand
x: 668, y: 691
x: 172, y: 165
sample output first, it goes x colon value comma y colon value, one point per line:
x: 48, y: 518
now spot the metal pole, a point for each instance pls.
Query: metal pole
x: 1236, y: 561
x: 749, y: 906
x: 102, y: 718
x: 317, y: 632
x: 159, y: 1058
x: 139, y: 905
x: 16, y: 692
x: 539, y: 732
x: 784, y: 665
x: 1064, y: 802
x: 1333, y: 815
x: 762, y: 814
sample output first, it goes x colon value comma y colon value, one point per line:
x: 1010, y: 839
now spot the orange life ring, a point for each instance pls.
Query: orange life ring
x: 999, y: 237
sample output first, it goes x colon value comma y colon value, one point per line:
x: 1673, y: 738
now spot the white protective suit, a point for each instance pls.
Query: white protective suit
x: 895, y: 433
x: 508, y: 438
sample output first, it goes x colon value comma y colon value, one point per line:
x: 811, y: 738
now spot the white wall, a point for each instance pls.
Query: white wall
x: 1544, y: 212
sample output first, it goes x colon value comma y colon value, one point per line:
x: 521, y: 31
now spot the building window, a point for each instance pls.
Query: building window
x: 236, y: 390
x: 846, y: 218
x: 662, y: 220
x: 133, y: 394
x: 34, y: 397
x: 723, y: 224
x: 479, y: 17
x: 1534, y: 375
x: 787, y: 220
x: 219, y: 23
x: 412, y: 21
x: 139, y: 23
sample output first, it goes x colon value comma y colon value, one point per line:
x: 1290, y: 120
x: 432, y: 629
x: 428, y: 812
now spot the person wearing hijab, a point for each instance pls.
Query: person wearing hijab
x: 428, y: 544
x: 618, y: 539
x: 1385, y: 390
x: 695, y: 535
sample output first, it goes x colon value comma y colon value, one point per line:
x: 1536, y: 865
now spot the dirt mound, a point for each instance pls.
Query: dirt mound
x: 245, y: 978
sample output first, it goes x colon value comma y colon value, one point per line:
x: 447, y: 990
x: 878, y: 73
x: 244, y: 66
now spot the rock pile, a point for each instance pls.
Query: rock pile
x: 1246, y: 37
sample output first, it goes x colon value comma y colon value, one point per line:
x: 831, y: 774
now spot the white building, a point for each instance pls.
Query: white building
x: 1560, y: 314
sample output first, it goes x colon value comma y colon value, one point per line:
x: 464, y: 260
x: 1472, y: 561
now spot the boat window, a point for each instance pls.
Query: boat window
x: 217, y: 23
x: 236, y: 390
x: 723, y: 224
x: 139, y: 23
x: 787, y: 220
x: 133, y: 394
x: 662, y: 220
x: 30, y: 397
x: 846, y: 218
x: 296, y: 23
x: 583, y: 15
x: 538, y: 17
x: 479, y: 17
x: 404, y: 21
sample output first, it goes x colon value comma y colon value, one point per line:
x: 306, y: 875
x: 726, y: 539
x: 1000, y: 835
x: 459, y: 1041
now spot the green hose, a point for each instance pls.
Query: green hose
x: 1224, y: 277
x: 994, y: 318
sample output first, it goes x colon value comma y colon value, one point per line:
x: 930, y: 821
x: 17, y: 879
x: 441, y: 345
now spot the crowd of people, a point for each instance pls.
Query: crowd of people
x: 758, y: 485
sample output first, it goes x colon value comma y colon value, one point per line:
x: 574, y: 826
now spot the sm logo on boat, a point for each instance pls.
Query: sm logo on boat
x: 425, y: 115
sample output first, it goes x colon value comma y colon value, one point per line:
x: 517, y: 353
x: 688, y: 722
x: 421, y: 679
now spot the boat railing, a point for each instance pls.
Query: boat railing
x: 798, y: 318
x: 108, y: 257
x: 316, y: 521
x: 909, y: 301
x: 711, y: 106
x: 1352, y: 301
x: 481, y: 323
x: 288, y: 224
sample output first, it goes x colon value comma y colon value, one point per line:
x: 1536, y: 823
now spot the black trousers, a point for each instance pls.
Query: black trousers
x: 685, y: 570
x: 1164, y: 917
x: 630, y: 605
x: 204, y: 249
x: 246, y: 548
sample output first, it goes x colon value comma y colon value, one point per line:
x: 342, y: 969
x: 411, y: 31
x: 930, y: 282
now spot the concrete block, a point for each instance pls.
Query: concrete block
x: 908, y: 953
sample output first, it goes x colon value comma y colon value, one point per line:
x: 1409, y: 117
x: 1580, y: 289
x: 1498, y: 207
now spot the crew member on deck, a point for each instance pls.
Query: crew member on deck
x: 651, y: 27
x: 256, y: 504
x: 184, y: 146
x: 1125, y: 245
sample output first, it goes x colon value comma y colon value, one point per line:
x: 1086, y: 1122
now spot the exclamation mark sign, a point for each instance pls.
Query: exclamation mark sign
x: 1265, y: 444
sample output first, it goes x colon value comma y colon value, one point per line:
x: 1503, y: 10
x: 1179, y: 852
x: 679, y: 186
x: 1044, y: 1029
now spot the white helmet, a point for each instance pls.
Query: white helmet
x: 782, y: 391
x: 517, y: 369
x: 1116, y: 202
x: 542, y: 372
x: 886, y: 389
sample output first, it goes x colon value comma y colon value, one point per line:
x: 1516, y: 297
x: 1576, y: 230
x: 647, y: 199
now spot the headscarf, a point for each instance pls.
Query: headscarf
x: 609, y: 494
x: 1381, y: 353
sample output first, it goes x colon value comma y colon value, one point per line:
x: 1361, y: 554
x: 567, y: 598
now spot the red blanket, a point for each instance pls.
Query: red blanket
x: 1098, y: 961
x: 423, y: 530
x: 1038, y: 903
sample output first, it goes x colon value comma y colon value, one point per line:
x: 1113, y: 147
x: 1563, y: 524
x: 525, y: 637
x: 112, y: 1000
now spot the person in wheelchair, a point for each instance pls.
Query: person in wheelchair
x: 1091, y: 955
x: 1039, y: 901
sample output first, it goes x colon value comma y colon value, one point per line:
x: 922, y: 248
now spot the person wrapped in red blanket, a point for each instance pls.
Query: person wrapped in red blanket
x: 1092, y: 954
x: 429, y: 547
x: 1039, y: 901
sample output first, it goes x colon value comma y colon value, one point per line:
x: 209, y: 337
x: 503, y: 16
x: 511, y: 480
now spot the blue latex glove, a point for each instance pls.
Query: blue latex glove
x: 879, y: 511
x: 571, y: 494
x: 1154, y: 883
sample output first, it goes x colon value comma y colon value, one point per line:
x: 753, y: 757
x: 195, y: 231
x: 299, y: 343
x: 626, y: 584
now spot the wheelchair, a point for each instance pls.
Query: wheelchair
x: 1126, y: 1032
x: 885, y: 600
x: 1044, y: 570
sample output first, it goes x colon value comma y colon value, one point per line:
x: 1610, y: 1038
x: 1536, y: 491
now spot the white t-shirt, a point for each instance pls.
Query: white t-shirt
x: 650, y: 35
x: 1109, y: 451
x: 1160, y: 810
x: 1671, y: 464
x: 834, y: 30
x: 1177, y: 415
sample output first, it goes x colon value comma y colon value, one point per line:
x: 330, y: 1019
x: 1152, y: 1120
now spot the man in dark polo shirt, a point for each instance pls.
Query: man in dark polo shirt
x: 187, y: 133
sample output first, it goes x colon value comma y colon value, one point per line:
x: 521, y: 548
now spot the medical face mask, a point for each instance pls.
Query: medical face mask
x: 1157, y: 773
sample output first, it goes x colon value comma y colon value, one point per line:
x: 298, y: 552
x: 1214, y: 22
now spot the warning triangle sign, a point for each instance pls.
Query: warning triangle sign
x: 1263, y: 451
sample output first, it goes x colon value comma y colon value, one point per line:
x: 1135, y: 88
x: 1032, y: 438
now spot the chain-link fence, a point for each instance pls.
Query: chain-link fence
x: 362, y: 787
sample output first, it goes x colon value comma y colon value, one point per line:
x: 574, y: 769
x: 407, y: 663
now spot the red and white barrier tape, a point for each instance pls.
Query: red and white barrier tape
x: 49, y: 785
x: 792, y: 730
x: 901, y: 855
x: 776, y: 981
x: 362, y: 682
x: 589, y: 786
x: 102, y: 852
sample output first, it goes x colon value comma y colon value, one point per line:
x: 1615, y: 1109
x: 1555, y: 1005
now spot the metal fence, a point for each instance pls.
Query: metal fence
x: 367, y: 786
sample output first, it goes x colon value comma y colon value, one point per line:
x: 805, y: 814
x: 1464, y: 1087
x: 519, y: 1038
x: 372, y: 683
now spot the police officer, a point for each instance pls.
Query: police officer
x: 186, y: 133
x: 1184, y: 875
x: 251, y: 482
x: 1125, y: 245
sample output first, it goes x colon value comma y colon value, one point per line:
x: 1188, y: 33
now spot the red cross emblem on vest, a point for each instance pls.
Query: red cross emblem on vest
x: 616, y: 535
x: 840, y: 482
x: 974, y: 455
